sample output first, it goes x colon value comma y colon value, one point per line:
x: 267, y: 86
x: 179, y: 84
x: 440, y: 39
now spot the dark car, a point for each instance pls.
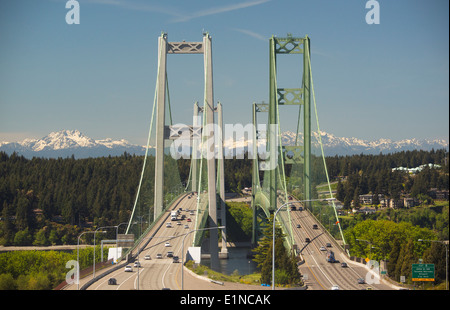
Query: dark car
x: 307, y: 240
x: 315, y: 226
x: 361, y: 281
x: 112, y: 281
x: 343, y: 265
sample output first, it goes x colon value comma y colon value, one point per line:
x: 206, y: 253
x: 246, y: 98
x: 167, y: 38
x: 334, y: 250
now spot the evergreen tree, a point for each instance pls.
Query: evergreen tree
x: 286, y: 271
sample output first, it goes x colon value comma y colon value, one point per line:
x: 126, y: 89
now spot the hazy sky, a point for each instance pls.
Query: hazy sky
x: 386, y: 80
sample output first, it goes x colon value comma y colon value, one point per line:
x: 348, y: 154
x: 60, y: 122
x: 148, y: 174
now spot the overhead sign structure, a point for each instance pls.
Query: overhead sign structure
x: 125, y: 240
x: 423, y: 272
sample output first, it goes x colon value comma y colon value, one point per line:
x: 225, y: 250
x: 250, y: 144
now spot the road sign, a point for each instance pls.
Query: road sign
x: 423, y: 272
x: 126, y: 241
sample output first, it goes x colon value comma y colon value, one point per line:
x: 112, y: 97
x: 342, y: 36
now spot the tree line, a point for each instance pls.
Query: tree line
x: 49, y: 201
x: 41, y: 270
x: 374, y: 174
x: 399, y: 244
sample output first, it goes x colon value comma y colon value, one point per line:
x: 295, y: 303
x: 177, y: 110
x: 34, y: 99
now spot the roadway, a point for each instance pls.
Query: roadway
x: 158, y: 273
x: 163, y: 273
x: 155, y: 273
x: 323, y: 275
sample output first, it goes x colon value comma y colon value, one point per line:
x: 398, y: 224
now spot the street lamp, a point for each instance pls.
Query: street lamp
x: 117, y: 245
x: 93, y: 273
x: 182, y: 250
x: 446, y: 258
x: 273, y: 232
x: 78, y: 256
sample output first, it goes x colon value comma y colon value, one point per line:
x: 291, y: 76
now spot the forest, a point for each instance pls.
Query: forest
x: 51, y: 201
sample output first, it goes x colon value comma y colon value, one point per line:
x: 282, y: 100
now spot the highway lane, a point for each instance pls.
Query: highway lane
x: 322, y: 275
x: 158, y: 273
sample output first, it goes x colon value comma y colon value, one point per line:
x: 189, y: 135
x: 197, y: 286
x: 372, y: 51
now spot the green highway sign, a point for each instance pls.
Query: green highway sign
x: 423, y: 272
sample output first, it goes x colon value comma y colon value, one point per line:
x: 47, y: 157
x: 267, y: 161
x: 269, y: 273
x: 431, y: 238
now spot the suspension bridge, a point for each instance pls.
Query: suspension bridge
x: 160, y: 187
x: 289, y: 182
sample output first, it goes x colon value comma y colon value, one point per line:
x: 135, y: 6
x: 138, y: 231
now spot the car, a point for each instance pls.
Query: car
x: 300, y: 208
x: 298, y: 225
x: 322, y: 248
x: 335, y: 288
x: 137, y: 264
x: 169, y: 254
x: 328, y: 245
x: 307, y: 240
x: 189, y: 219
x: 175, y: 259
x: 361, y: 281
x: 344, y: 265
x: 147, y: 257
x: 186, y: 226
x: 128, y: 268
x: 315, y: 226
x: 167, y: 244
x: 159, y: 255
x: 169, y: 225
x: 178, y: 223
x: 191, y: 213
x: 112, y: 281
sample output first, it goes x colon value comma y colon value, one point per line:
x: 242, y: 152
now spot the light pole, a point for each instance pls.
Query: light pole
x: 182, y: 250
x: 273, y: 232
x: 93, y: 273
x: 117, y: 245
x: 78, y: 257
x: 446, y: 258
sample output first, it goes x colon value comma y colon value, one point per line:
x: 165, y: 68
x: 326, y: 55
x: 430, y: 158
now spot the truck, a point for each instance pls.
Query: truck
x: 330, y: 257
x: 173, y: 215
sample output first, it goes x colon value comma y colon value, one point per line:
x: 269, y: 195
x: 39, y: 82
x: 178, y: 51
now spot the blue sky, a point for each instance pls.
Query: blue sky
x: 386, y: 80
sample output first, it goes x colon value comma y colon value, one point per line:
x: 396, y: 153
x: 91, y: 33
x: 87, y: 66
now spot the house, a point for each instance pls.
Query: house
x: 394, y: 204
x: 365, y: 210
x: 368, y: 199
x: 438, y: 194
x: 365, y: 199
x: 410, y: 202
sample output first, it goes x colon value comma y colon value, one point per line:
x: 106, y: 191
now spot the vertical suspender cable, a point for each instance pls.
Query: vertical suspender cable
x: 321, y: 147
x: 146, y: 150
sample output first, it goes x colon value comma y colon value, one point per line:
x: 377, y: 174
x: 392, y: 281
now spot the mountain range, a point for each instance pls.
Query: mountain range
x: 66, y: 143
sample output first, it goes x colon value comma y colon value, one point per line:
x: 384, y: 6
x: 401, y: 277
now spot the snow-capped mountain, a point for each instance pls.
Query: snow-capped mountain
x: 70, y: 142
x: 334, y: 145
x: 66, y: 143
x: 349, y: 146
